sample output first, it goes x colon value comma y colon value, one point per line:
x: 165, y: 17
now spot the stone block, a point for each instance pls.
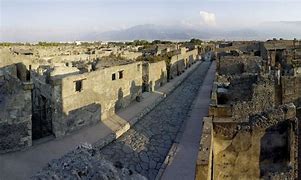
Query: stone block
x: 27, y: 85
x: 290, y: 111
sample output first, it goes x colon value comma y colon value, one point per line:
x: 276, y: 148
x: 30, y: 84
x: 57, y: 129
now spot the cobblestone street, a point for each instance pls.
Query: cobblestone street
x: 144, y: 147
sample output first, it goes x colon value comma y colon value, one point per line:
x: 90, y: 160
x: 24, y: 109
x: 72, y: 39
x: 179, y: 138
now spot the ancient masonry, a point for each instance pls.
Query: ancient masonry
x: 15, y: 111
x: 252, y: 131
x: 143, y: 148
x: 56, y: 91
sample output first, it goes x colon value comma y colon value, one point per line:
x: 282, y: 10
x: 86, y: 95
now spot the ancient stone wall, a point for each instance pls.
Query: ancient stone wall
x: 177, y: 66
x: 263, y: 51
x: 291, y: 89
x: 272, y: 58
x: 41, y: 107
x: 79, y: 99
x: 255, y: 136
x: 231, y: 65
x: 7, y: 58
x: 182, y: 61
x: 70, y: 58
x: 15, y: 113
x: 267, y: 140
x: 11, y: 70
x: 241, y: 87
x: 191, y: 57
x: 240, y: 96
x: 233, y: 152
x: 157, y: 75
x: 130, y: 55
x: 262, y: 98
x: 84, y: 99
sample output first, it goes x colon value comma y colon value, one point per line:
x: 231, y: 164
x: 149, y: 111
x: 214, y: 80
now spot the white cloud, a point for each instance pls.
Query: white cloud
x: 208, y: 18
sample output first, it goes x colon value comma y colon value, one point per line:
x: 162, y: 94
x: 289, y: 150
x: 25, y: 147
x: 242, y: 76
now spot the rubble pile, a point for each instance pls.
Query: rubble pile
x: 83, y: 163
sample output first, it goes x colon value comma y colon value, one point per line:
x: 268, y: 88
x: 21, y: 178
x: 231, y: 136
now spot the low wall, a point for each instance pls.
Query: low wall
x: 204, y: 160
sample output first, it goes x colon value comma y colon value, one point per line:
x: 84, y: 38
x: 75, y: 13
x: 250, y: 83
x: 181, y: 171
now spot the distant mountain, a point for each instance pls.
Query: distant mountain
x: 280, y: 29
x: 148, y: 32
x: 153, y: 32
x: 298, y: 23
x: 263, y: 31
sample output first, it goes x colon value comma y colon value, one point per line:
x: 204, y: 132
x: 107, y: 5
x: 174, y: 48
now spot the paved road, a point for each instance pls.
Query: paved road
x: 182, y: 158
x: 144, y: 147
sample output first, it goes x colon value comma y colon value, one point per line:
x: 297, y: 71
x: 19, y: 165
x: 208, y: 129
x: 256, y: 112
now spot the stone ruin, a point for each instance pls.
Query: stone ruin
x: 83, y: 163
x: 252, y: 131
x: 264, y: 147
x: 15, y: 109
x: 61, y: 89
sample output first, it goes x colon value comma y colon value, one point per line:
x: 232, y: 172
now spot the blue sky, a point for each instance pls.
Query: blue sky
x: 72, y: 17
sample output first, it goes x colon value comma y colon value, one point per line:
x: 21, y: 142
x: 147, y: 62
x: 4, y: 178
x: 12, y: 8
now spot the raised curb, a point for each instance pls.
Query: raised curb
x: 174, y: 146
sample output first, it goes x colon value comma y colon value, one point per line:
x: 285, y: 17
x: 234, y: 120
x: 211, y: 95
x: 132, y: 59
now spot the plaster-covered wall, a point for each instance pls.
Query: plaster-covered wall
x: 182, y: 61
x: 100, y: 96
x: 157, y: 74
x: 232, y: 156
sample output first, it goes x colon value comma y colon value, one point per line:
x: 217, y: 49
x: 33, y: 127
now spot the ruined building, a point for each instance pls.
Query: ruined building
x: 16, y: 109
x: 56, y: 99
x: 252, y: 131
x: 263, y: 147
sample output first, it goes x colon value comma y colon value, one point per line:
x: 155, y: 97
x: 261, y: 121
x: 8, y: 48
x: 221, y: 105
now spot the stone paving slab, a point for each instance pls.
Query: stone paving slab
x: 144, y: 147
x: 24, y: 164
x: 181, y: 161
